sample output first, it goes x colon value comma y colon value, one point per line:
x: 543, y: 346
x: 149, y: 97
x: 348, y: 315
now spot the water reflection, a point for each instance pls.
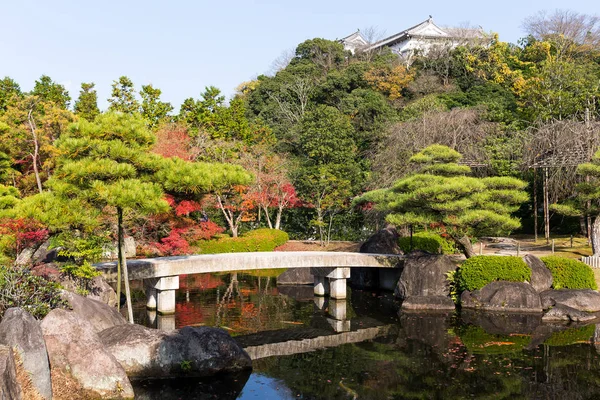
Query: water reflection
x: 310, y: 347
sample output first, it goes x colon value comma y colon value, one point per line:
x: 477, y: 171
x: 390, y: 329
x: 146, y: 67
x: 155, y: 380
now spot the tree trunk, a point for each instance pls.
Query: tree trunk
x: 535, y: 206
x: 267, y: 217
x: 278, y: 218
x: 546, y: 208
x: 596, y: 237
x: 464, y: 243
x: 36, y: 150
x: 123, y: 264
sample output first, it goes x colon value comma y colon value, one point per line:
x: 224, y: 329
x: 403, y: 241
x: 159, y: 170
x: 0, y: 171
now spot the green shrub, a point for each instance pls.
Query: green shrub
x: 19, y: 288
x: 478, y: 271
x: 81, y: 275
x: 257, y: 240
x: 478, y: 341
x: 570, y: 274
x: 427, y: 241
x: 571, y: 336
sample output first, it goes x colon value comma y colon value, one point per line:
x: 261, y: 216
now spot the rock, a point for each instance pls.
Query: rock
x: 384, y: 241
x: 424, y: 274
x: 75, y: 350
x: 561, y: 312
x: 99, y: 315
x: 21, y: 331
x: 189, y: 352
x: 111, y: 251
x: 9, y: 387
x: 48, y: 271
x: 296, y: 276
x: 101, y: 291
x: 541, y: 277
x: 428, y: 303
x: 579, y: 299
x: 503, y: 296
x: 44, y: 255
x: 25, y: 256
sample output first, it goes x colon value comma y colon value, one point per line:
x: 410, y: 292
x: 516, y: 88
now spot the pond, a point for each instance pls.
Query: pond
x: 313, y: 348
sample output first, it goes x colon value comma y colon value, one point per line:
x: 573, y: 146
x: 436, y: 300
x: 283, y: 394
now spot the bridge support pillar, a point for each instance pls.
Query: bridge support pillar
x: 160, y: 294
x: 330, y: 280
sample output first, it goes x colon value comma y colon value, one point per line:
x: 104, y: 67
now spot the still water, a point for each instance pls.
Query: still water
x: 310, y: 348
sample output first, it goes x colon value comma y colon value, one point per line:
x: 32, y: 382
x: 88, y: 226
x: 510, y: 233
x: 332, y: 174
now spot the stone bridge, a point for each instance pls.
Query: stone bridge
x: 330, y: 270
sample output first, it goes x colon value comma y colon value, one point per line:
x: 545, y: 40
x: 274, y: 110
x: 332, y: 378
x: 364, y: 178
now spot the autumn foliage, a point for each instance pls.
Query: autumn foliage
x: 20, y: 233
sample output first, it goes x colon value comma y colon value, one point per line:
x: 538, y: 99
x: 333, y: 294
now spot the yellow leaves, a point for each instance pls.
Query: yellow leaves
x: 389, y: 80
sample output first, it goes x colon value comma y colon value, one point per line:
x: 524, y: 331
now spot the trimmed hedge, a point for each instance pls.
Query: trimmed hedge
x: 570, y: 274
x: 427, y: 241
x: 258, y: 240
x: 478, y: 271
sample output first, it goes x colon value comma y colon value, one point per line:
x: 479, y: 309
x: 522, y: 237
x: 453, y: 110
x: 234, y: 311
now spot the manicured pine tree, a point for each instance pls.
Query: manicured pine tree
x: 441, y: 192
x: 108, y: 163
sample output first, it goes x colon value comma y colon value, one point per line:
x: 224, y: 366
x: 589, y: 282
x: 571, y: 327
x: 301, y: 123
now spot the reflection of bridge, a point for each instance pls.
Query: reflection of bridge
x: 330, y: 270
x: 294, y: 341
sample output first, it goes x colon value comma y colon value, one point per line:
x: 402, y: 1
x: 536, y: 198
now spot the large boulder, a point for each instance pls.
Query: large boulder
x: 22, y: 332
x: 503, y: 296
x: 541, y: 277
x: 384, y: 241
x: 428, y: 303
x: 77, y: 353
x: 561, y: 312
x: 579, y: 299
x: 100, y: 315
x: 189, y: 352
x: 9, y: 387
x: 424, y: 274
x: 296, y: 276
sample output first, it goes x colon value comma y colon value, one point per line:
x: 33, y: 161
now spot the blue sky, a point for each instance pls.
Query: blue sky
x: 182, y: 46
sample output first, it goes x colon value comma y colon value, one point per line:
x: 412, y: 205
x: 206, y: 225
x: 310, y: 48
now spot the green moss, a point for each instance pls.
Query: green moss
x: 478, y: 341
x: 571, y: 336
x: 478, y: 271
x: 570, y: 274
x: 257, y: 240
x: 427, y: 241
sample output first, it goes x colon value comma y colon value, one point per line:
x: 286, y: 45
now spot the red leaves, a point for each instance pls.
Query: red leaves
x: 27, y: 232
x: 186, y: 207
x: 173, y: 141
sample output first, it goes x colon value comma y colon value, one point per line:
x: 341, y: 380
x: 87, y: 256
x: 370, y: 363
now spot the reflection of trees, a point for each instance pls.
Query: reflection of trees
x: 404, y: 366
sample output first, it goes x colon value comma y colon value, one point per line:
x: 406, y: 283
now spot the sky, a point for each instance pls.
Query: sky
x: 182, y: 46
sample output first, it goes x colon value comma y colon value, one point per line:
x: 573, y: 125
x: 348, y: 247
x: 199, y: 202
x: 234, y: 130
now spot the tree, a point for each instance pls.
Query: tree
x: 50, y: 91
x: 123, y: 97
x: 441, y: 192
x: 329, y: 172
x: 86, y: 105
x: 569, y: 31
x: 8, y: 90
x: 154, y: 110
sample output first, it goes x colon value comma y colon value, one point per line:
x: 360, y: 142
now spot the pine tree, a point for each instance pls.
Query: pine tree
x: 441, y: 192
x: 108, y: 163
x: 154, y: 110
x: 123, y: 97
x: 86, y: 105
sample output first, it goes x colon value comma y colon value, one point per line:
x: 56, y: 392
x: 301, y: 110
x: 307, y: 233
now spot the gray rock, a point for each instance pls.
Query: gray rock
x: 25, y: 256
x: 111, y: 251
x: 9, y: 387
x: 99, y: 315
x: 428, y: 303
x: 384, y: 241
x: 44, y: 255
x: 561, y: 312
x: 75, y: 350
x: 295, y: 276
x: 22, y: 332
x: 579, y: 299
x: 541, y: 277
x: 101, y: 291
x: 503, y: 296
x: 424, y: 274
x: 189, y: 352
